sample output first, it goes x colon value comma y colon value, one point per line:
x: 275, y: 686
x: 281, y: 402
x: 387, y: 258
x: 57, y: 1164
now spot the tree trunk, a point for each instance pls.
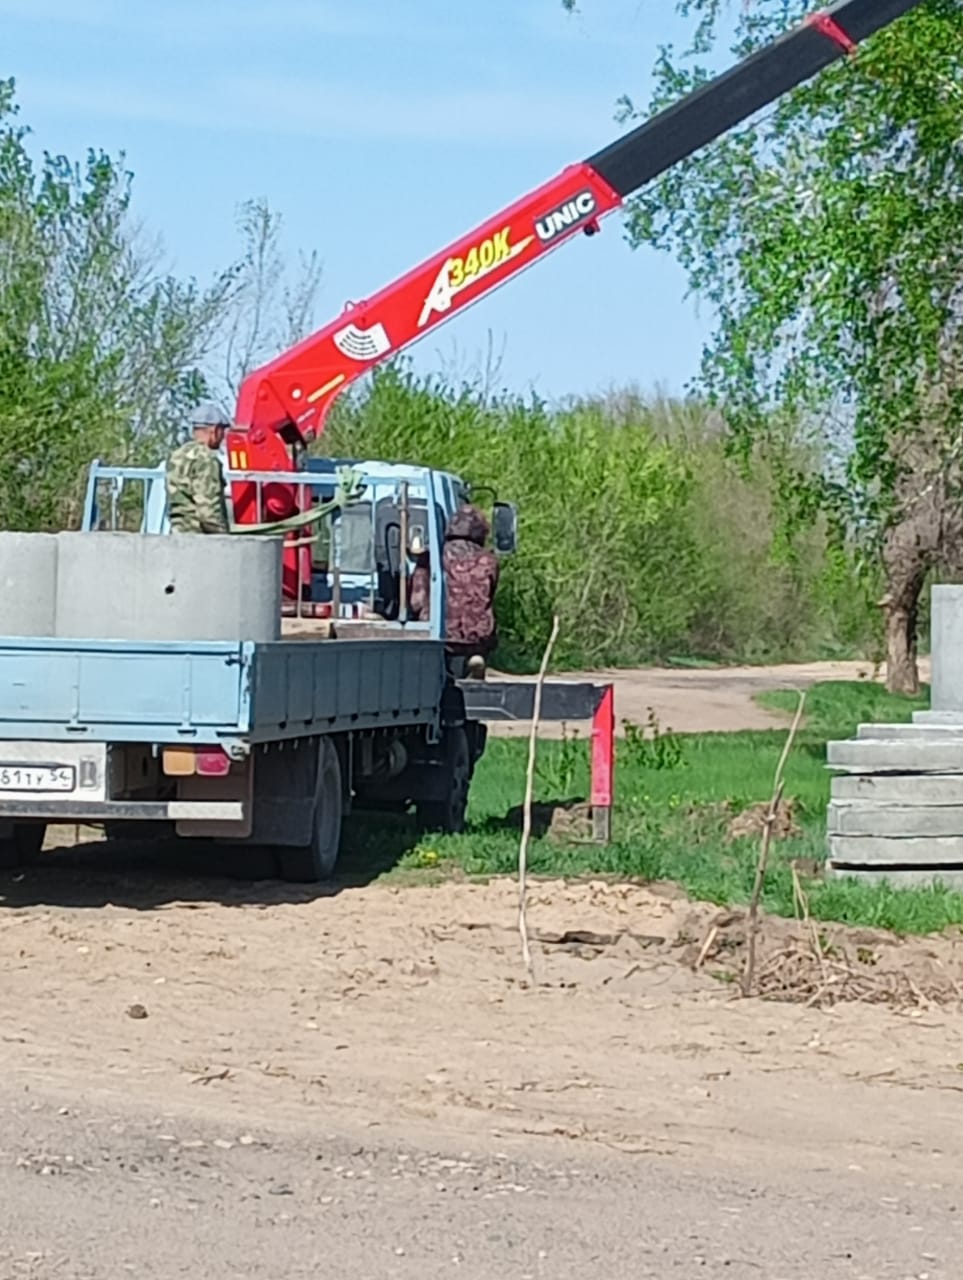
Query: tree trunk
x: 910, y: 549
x: 902, y: 672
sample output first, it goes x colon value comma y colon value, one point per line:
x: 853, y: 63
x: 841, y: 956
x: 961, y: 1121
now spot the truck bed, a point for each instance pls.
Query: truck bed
x: 213, y: 692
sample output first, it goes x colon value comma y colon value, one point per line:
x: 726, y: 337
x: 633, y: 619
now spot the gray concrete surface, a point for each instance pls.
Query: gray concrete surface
x: 903, y: 755
x: 89, y: 1193
x: 873, y: 851
x: 902, y: 803
x: 946, y: 647
x: 124, y: 586
x: 903, y: 879
x: 871, y: 818
x: 949, y: 718
x: 919, y: 731
x: 28, y: 580
x: 900, y: 789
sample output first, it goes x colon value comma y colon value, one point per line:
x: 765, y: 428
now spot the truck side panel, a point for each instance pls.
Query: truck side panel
x: 344, y: 684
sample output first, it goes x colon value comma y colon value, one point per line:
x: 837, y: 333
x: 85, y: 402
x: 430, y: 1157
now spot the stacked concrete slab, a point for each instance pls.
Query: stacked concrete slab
x: 896, y: 812
x: 123, y: 586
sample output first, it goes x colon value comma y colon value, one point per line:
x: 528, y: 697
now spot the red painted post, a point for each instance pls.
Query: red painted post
x: 603, y: 766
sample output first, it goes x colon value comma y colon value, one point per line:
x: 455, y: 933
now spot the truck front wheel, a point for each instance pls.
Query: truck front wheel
x: 316, y: 861
x: 447, y: 815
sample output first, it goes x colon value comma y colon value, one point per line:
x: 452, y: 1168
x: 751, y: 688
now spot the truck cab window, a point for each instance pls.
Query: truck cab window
x: 353, y: 538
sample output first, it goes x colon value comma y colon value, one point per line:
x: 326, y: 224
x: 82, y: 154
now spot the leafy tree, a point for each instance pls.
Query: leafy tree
x: 828, y: 234
x: 101, y: 351
x: 269, y: 311
x: 635, y: 527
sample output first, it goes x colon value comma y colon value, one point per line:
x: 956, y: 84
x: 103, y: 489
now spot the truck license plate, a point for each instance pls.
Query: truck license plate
x: 36, y: 777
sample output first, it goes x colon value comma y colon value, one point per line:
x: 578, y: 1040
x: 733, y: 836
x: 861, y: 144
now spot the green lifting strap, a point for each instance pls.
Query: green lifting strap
x: 348, y: 489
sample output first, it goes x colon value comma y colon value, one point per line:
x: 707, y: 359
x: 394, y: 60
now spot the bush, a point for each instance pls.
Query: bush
x: 633, y: 526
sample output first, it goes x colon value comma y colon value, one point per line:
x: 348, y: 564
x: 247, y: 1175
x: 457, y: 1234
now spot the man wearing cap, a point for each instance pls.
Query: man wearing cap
x: 195, y: 480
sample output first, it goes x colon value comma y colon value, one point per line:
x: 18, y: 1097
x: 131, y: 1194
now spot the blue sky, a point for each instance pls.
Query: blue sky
x: 380, y: 130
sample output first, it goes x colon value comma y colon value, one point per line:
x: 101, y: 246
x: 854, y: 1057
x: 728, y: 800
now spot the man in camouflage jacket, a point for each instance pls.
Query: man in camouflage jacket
x: 195, y: 480
x: 471, y: 576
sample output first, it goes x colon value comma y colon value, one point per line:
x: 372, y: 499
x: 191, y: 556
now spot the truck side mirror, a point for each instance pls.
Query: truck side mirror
x: 505, y: 528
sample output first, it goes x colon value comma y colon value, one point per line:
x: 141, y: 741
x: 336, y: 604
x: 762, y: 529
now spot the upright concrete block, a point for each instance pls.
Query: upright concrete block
x: 126, y: 586
x: 28, y: 583
x: 946, y: 646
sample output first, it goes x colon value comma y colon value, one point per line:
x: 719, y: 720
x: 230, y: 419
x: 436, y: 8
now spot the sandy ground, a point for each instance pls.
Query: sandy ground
x: 387, y: 1042
x: 234, y: 1079
x: 407, y: 1007
x: 708, y: 700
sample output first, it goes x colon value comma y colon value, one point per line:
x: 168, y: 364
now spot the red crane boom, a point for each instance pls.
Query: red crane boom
x: 296, y: 389
x: 282, y: 405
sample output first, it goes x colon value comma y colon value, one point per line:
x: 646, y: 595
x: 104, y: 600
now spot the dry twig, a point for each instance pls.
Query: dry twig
x: 208, y: 1077
x: 527, y: 810
x: 779, y: 784
x: 800, y: 974
x: 801, y: 903
x: 706, y: 947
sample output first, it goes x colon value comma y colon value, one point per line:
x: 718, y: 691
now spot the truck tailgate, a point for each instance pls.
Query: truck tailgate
x: 124, y: 690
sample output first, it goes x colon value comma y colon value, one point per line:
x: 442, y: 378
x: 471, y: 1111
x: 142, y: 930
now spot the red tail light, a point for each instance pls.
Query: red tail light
x: 213, y: 762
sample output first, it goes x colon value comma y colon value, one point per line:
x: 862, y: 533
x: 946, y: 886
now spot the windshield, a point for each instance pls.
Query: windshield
x: 353, y: 535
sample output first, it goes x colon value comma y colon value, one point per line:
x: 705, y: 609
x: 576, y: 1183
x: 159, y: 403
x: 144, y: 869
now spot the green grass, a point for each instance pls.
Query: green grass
x: 838, y: 706
x: 672, y: 810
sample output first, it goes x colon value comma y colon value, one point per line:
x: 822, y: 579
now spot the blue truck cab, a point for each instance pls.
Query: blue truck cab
x: 356, y: 562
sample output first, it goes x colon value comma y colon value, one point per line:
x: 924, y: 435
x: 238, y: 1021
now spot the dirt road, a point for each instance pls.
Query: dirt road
x: 365, y: 1085
x: 104, y: 1190
x: 710, y: 699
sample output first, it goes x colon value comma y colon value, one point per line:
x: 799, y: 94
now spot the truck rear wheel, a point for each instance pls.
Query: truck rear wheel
x: 22, y: 846
x: 316, y: 861
x: 447, y: 816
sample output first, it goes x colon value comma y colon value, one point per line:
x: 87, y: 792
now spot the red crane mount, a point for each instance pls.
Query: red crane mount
x: 282, y: 406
